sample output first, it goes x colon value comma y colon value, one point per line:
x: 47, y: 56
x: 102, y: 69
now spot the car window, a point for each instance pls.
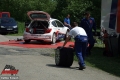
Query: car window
x: 8, y: 21
x: 59, y: 24
x: 54, y: 24
x: 38, y: 15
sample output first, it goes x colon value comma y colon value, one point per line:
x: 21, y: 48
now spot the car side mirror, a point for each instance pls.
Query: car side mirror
x: 27, y: 23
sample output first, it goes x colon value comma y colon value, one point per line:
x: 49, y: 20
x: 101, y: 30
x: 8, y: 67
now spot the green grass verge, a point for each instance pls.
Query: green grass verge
x: 21, y: 29
x: 107, y: 64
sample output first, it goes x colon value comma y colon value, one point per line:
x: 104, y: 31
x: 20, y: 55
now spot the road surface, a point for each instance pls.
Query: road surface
x: 36, y: 64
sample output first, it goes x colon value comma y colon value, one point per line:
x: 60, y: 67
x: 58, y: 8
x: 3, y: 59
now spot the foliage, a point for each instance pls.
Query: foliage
x: 19, y: 8
x: 76, y: 9
x: 57, y: 8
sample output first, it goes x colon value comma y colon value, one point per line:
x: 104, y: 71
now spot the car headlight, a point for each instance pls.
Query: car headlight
x: 2, y: 26
x: 14, y: 26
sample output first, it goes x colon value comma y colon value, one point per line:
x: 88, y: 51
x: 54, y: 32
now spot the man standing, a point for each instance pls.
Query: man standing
x: 67, y: 21
x: 81, y: 40
x: 88, y: 23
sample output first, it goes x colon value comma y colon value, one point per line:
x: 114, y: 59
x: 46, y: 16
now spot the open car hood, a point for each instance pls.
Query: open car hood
x: 38, y: 15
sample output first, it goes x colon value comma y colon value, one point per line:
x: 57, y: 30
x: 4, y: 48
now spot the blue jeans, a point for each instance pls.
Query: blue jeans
x: 80, y: 48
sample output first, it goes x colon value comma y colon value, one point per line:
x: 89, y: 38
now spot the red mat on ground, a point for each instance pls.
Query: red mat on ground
x: 34, y: 44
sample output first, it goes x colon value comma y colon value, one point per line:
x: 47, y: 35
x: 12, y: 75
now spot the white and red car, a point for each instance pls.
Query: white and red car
x: 43, y: 27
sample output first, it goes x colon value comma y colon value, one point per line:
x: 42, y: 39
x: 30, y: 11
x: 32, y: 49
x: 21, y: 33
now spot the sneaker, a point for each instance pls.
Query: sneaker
x: 81, y: 68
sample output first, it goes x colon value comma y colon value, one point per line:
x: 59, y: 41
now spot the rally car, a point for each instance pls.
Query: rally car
x: 43, y: 27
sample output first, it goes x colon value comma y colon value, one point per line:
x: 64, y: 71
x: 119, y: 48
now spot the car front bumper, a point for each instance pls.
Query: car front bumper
x: 5, y: 30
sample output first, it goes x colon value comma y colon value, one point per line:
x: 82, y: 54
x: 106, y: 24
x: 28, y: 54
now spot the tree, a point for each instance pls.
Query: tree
x: 57, y: 8
x: 75, y: 8
x: 19, y: 8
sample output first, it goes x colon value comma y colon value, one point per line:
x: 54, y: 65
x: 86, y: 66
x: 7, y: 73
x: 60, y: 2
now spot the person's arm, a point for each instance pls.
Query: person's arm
x: 65, y: 22
x: 67, y: 39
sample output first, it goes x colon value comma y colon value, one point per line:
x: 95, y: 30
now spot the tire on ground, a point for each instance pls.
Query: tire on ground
x: 64, y: 57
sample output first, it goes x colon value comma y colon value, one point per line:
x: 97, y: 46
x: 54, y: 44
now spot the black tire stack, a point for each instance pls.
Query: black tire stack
x: 64, y: 57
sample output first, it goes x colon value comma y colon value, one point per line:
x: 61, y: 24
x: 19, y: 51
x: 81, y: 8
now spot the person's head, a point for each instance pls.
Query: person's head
x: 74, y: 24
x: 68, y: 15
x: 87, y: 15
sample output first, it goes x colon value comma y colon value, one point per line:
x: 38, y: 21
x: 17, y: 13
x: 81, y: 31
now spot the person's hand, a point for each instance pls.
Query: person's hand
x: 71, y: 45
x: 61, y: 47
x: 69, y: 25
x: 88, y: 45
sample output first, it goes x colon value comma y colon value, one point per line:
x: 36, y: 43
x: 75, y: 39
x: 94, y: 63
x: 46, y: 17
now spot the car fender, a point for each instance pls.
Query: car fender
x: 66, y: 29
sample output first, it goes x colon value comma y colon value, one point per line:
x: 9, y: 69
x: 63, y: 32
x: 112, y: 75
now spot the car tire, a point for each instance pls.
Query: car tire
x: 64, y: 57
x: 54, y: 39
x: 27, y: 41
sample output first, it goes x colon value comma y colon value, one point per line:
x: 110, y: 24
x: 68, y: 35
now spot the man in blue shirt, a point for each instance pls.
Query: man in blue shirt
x: 67, y: 21
x: 88, y: 23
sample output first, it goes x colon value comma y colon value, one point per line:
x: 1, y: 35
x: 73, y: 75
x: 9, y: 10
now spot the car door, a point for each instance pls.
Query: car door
x: 55, y: 27
x: 61, y: 28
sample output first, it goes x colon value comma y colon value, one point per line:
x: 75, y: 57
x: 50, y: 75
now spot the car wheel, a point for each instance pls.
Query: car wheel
x: 54, y: 39
x: 64, y: 57
x: 27, y: 41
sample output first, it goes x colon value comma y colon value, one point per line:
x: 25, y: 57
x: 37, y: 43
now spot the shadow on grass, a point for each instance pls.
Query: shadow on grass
x: 108, y: 64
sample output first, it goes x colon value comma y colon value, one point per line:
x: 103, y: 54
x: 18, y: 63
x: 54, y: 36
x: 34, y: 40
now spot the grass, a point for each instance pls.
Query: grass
x: 107, y: 64
x: 21, y: 29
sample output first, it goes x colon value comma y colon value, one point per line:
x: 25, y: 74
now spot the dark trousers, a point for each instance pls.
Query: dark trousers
x: 91, y: 42
x: 80, y: 48
x: 89, y: 49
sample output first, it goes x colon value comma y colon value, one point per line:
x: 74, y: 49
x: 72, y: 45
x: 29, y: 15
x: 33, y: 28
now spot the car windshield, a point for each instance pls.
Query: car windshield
x: 5, y: 15
x: 7, y: 20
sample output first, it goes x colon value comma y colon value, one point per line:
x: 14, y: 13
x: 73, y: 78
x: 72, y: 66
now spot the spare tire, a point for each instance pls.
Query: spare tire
x: 64, y: 57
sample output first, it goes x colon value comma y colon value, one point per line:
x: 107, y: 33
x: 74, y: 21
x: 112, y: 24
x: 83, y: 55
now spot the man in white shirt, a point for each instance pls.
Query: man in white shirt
x: 81, y: 41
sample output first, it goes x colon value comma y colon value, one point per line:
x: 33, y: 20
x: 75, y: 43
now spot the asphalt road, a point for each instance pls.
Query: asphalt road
x: 36, y: 64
